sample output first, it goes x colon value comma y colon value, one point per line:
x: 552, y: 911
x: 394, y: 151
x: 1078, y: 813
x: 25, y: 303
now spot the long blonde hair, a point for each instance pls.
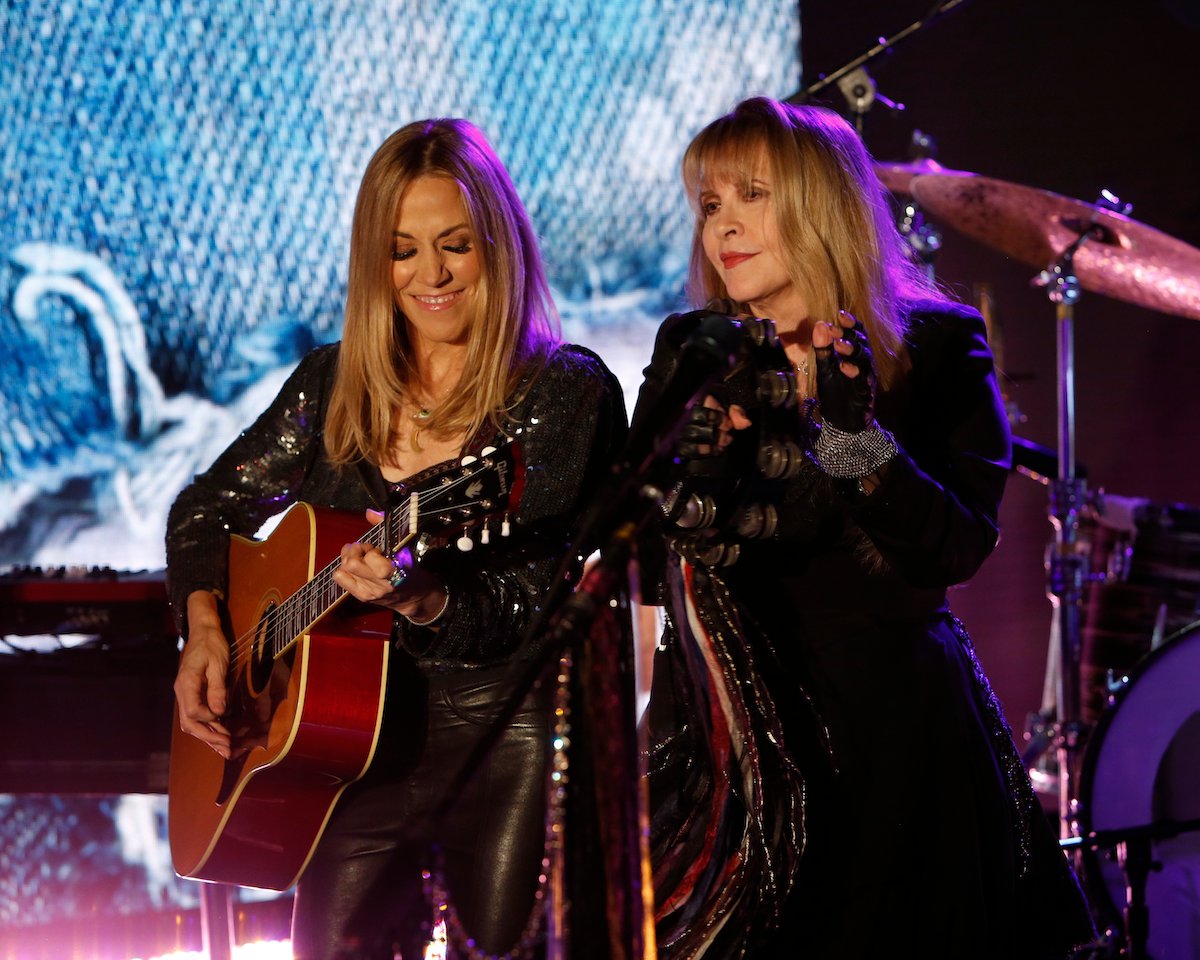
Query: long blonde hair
x: 516, y: 326
x: 839, y: 243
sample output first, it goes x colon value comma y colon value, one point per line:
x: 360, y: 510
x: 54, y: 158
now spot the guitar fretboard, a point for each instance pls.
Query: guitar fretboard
x: 299, y: 612
x: 439, y: 500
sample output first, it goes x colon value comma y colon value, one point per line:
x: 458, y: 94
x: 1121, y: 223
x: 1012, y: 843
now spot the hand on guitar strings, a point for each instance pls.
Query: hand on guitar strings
x: 396, y: 582
x: 200, y: 682
x: 845, y: 375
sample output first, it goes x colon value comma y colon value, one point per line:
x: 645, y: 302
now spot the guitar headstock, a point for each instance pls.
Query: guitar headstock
x: 479, y: 493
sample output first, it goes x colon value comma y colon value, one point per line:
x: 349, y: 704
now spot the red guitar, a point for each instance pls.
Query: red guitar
x: 306, y: 679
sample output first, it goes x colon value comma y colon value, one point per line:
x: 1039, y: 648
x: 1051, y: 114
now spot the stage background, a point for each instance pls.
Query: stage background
x: 178, y: 187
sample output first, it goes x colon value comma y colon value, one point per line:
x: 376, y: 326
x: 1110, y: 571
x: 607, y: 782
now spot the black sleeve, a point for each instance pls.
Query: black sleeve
x: 934, y: 515
x: 667, y: 343
x: 257, y: 476
x: 651, y: 545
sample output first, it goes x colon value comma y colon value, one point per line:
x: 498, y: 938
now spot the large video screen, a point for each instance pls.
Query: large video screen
x: 179, y: 181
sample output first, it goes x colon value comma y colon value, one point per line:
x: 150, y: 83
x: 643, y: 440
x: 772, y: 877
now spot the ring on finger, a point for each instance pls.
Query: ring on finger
x: 399, y: 573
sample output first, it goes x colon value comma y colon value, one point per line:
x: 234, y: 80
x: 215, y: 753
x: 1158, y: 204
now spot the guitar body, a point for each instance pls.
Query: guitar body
x: 305, y: 722
x: 307, y: 674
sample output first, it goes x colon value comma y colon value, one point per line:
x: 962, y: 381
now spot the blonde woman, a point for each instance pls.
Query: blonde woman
x: 832, y: 776
x: 450, y: 345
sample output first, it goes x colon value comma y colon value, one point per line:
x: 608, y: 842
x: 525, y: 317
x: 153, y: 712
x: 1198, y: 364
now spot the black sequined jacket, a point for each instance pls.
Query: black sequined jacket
x: 572, y: 421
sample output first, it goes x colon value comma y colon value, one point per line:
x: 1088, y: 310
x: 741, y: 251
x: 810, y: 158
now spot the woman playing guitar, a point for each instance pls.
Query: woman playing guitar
x: 450, y: 348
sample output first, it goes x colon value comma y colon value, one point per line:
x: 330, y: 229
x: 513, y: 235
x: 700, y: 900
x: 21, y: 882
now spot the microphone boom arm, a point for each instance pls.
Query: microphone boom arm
x: 885, y: 44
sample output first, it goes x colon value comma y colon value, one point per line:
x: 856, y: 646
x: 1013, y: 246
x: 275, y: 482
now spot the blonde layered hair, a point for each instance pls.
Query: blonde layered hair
x: 516, y: 325
x: 839, y: 242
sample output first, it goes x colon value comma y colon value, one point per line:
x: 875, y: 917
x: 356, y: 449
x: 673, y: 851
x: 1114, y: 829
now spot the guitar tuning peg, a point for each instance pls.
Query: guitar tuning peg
x: 465, y: 543
x: 468, y: 460
x: 485, y: 535
x: 505, y: 527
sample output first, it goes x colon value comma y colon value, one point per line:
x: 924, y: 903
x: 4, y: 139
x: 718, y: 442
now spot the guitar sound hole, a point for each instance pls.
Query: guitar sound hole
x: 262, y: 659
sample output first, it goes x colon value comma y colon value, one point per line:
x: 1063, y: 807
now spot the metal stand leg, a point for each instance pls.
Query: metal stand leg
x: 216, y: 920
x: 1067, y: 567
x: 1137, y: 861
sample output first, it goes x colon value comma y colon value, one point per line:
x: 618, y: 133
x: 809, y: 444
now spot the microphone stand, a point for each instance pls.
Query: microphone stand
x: 605, y: 911
x: 883, y: 46
x: 600, y: 901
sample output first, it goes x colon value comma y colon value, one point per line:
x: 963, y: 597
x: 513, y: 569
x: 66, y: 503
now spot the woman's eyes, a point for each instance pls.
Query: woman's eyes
x: 459, y: 249
x: 750, y: 194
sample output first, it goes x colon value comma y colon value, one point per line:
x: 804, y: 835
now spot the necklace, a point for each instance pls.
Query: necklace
x: 802, y: 367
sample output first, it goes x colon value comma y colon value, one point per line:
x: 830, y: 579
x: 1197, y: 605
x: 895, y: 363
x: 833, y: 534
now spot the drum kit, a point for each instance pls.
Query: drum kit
x: 1120, y: 737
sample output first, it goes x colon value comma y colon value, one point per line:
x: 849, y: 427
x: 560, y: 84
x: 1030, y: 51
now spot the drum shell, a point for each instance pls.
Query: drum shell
x: 1144, y: 563
x: 1139, y: 769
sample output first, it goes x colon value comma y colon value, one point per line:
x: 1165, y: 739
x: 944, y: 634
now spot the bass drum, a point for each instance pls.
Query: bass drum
x: 1141, y: 766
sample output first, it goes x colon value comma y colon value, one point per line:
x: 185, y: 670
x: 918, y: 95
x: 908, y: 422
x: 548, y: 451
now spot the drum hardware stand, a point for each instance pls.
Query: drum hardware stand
x: 1066, y: 563
x: 858, y: 87
x: 924, y: 240
x: 922, y: 237
x: 1134, y: 851
x: 860, y: 91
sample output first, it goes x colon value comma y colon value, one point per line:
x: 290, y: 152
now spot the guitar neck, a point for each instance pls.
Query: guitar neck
x: 319, y: 596
x: 439, y: 501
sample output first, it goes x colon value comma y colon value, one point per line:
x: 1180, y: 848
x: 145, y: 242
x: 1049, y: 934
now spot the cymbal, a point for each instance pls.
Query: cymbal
x: 1123, y: 259
x: 897, y: 177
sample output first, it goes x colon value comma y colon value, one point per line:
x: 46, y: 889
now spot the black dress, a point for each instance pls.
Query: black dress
x: 831, y: 775
x: 363, y: 894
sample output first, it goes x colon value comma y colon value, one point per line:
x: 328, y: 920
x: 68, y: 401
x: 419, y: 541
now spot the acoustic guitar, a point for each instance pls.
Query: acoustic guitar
x: 307, y: 676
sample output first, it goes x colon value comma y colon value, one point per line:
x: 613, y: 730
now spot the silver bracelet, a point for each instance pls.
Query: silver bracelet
x: 436, y: 617
x: 849, y: 456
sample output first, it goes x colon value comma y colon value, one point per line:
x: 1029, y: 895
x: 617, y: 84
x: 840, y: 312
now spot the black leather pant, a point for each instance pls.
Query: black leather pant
x: 361, y: 895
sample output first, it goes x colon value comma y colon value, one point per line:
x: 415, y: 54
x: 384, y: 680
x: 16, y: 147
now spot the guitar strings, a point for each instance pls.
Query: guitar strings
x: 322, y: 584
x: 297, y: 607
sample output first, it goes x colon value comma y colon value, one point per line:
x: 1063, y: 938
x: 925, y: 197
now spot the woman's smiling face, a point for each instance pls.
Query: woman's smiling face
x: 436, y: 267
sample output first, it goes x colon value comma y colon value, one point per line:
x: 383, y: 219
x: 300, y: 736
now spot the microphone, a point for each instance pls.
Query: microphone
x: 712, y: 348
